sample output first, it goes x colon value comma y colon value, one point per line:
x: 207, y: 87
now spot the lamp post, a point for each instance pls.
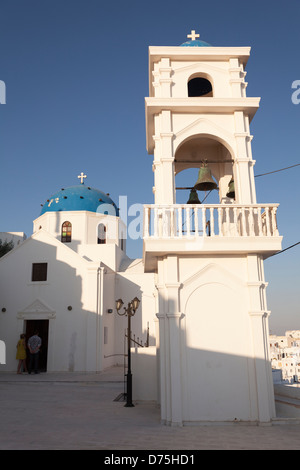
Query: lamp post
x: 129, y: 311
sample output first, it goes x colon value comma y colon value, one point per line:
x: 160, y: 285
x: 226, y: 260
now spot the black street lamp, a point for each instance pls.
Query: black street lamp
x: 129, y: 311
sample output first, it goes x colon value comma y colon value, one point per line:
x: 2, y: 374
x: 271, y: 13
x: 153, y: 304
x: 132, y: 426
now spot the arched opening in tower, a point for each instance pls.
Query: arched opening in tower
x: 199, y: 86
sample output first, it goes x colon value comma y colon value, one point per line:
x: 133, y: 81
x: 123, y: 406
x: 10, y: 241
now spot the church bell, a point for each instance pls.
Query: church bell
x: 193, y: 199
x: 205, y: 181
x: 231, y: 190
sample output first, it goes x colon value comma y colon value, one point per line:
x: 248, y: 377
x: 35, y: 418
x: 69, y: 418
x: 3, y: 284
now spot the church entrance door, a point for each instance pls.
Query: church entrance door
x: 43, y: 328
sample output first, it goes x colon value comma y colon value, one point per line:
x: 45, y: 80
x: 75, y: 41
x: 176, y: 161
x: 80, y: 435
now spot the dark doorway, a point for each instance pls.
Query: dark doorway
x: 42, y: 326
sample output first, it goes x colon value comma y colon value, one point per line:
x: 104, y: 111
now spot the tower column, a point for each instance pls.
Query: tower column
x: 170, y: 339
x: 244, y: 192
x: 259, y: 326
x: 244, y: 163
x: 163, y: 369
x: 175, y: 369
x: 165, y: 77
x: 265, y: 394
x: 164, y: 354
x: 164, y: 161
x: 173, y: 321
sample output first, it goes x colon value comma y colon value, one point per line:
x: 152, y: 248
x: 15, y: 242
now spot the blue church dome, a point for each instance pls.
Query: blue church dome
x: 80, y: 198
x: 194, y: 42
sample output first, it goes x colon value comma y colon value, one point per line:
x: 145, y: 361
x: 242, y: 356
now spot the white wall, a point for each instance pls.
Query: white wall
x: 68, y: 284
x: 213, y: 340
x: 133, y: 282
x: 144, y: 374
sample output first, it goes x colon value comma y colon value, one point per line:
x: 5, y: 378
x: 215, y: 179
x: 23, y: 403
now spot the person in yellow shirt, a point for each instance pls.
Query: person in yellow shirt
x: 21, y: 354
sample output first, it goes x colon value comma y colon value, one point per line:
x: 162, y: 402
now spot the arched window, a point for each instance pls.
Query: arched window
x: 101, y: 234
x: 66, y: 232
x: 122, y: 241
x: 199, y: 86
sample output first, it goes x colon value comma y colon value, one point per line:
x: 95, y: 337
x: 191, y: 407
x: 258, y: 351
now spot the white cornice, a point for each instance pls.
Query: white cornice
x: 202, y: 105
x: 199, y: 53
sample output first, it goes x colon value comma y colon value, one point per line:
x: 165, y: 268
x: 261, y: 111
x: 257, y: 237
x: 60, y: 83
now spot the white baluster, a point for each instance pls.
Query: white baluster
x: 220, y: 221
x: 146, y: 222
x: 227, y: 222
x: 196, y: 222
x: 179, y: 221
x: 268, y: 221
x: 156, y: 231
x: 204, y: 221
x: 244, y: 224
x: 212, y: 222
x: 188, y: 224
x: 165, y: 222
x: 259, y: 214
x: 172, y: 223
x: 235, y: 222
x: 251, y: 222
x: 275, y: 232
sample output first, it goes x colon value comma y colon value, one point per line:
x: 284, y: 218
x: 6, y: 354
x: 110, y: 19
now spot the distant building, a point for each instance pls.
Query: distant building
x: 285, y: 356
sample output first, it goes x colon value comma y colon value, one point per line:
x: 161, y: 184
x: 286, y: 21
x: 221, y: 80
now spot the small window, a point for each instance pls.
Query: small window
x: 105, y: 335
x: 199, y: 86
x: 66, y: 232
x: 39, y: 272
x: 101, y: 234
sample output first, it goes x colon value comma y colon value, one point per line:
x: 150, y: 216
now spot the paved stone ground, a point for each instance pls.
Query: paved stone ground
x: 73, y: 411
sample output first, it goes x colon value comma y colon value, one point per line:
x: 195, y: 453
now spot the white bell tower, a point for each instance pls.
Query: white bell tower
x: 211, y: 291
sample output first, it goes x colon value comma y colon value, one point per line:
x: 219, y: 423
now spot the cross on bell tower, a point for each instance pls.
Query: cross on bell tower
x: 193, y: 35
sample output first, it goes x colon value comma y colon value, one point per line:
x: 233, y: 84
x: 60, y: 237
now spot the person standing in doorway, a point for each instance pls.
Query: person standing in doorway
x: 21, y: 354
x: 34, y: 345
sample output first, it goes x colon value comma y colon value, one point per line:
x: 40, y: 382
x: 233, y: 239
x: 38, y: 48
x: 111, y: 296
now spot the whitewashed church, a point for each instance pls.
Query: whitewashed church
x: 203, y: 315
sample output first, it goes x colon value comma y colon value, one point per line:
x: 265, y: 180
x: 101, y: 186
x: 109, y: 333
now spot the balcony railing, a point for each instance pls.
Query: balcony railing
x: 222, y: 220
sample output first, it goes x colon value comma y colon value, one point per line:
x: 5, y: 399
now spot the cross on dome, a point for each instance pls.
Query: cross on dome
x: 81, y: 177
x: 193, y: 35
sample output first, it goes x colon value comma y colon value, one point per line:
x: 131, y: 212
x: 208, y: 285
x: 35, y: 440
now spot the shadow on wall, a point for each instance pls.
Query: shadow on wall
x: 144, y: 317
x: 212, y: 386
x: 207, y: 367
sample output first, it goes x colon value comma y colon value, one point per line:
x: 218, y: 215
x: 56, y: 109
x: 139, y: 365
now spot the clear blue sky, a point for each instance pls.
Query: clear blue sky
x: 76, y: 73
